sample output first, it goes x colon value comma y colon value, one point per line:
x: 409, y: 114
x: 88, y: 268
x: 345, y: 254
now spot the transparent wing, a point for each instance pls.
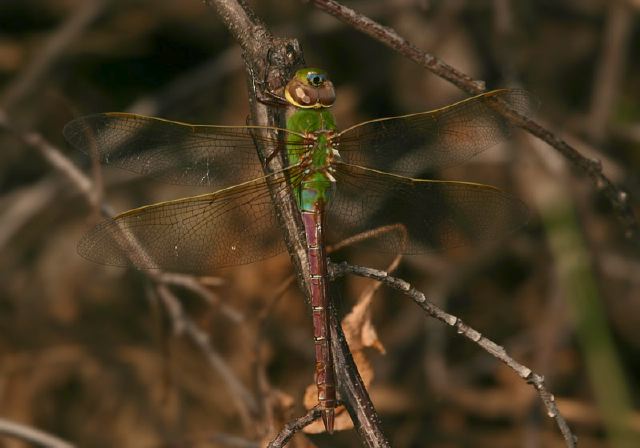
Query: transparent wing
x: 436, y: 215
x: 233, y: 226
x: 178, y: 153
x: 411, y: 144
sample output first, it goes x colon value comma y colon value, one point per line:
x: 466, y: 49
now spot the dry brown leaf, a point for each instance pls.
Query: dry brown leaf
x: 358, y: 328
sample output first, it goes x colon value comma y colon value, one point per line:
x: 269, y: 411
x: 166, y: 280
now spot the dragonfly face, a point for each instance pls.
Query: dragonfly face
x: 310, y: 88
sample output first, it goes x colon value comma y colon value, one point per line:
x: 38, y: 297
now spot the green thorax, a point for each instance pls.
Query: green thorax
x: 313, y: 187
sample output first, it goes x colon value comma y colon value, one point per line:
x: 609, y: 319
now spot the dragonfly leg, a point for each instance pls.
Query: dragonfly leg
x: 264, y: 93
x: 271, y: 98
x: 271, y: 156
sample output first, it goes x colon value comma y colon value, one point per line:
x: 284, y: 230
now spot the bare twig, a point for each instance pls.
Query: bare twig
x: 194, y: 285
x: 244, y: 400
x: 592, y: 168
x: 54, y: 156
x: 32, y: 435
x: 489, y: 346
x: 241, y: 22
x: 392, y: 39
x: 448, y: 279
x: 293, y: 427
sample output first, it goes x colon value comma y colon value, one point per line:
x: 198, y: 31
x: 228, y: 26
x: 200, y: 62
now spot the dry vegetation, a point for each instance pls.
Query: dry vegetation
x: 91, y: 354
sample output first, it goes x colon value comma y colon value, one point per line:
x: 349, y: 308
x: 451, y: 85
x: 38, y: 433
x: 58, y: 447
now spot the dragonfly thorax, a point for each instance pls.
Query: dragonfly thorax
x: 319, y: 152
x: 311, y: 147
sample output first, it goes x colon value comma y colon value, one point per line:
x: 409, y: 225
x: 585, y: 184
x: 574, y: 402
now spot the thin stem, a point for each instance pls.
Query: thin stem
x: 592, y: 168
x: 473, y: 335
x: 245, y: 402
x: 32, y: 435
x: 239, y: 22
x: 294, y: 426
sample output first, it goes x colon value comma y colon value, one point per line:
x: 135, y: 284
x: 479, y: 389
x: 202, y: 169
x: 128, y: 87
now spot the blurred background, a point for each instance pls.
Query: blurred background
x: 88, y: 353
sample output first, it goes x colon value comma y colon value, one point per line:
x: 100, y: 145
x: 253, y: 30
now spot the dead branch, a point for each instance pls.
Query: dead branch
x: 270, y: 63
x: 293, y: 427
x: 495, y: 350
x: 592, y: 168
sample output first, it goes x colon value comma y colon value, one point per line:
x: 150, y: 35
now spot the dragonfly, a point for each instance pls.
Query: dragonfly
x: 344, y: 183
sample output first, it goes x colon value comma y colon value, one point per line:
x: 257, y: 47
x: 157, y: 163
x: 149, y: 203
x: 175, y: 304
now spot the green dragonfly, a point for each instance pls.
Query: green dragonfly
x: 345, y: 182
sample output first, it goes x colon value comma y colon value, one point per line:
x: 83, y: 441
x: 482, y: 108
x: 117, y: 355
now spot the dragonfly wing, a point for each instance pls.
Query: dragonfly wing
x: 233, y: 226
x: 411, y: 144
x: 423, y: 215
x: 178, y: 153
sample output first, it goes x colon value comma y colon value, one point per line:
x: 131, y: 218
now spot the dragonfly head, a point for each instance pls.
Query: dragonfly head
x: 310, y: 88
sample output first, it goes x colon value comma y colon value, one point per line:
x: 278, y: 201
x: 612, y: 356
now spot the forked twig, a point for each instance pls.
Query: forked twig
x: 291, y: 428
x: 486, y: 344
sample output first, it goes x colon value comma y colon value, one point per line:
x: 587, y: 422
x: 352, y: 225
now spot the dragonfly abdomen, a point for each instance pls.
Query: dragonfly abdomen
x: 325, y: 380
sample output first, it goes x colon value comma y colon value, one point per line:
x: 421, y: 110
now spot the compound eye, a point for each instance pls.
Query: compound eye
x: 315, y: 79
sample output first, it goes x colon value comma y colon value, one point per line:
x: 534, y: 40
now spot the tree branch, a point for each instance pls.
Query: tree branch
x: 294, y: 426
x: 473, y: 335
x: 274, y: 60
x: 592, y: 168
x: 353, y: 392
